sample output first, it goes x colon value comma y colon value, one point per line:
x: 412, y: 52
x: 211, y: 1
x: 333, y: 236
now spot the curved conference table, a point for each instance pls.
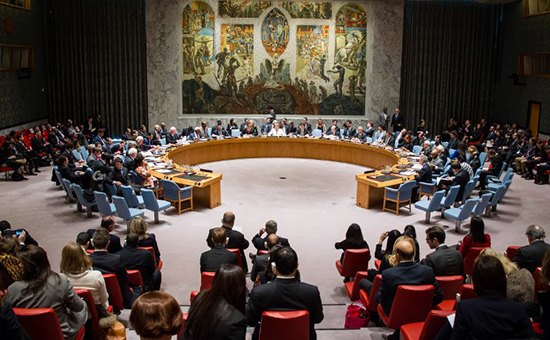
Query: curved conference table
x: 207, y: 191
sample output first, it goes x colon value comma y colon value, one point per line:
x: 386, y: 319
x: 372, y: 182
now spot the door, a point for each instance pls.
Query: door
x: 534, y: 117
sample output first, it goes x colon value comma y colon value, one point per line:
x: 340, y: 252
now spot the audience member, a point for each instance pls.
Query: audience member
x: 5, y: 230
x: 530, y: 257
x: 218, y: 313
x: 83, y: 240
x: 445, y: 260
x: 108, y: 223
x: 460, y: 178
x: 410, y: 231
x: 134, y: 258
x: 476, y: 237
x: 139, y: 226
x: 129, y: 161
x: 354, y: 240
x: 235, y: 240
x: 215, y: 257
x: 108, y: 263
x: 284, y: 293
x: 40, y: 287
x: 10, y: 327
x: 156, y: 316
x: 494, y: 169
x: 259, y: 263
x: 10, y: 266
x: 270, y: 228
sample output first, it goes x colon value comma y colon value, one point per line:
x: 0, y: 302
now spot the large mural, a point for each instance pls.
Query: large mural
x: 249, y: 67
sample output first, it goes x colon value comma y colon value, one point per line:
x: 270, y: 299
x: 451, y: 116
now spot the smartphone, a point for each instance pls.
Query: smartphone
x: 18, y: 232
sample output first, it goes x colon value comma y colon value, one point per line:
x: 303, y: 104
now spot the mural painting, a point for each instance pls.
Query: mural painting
x: 297, y: 82
x: 275, y: 31
x: 308, y: 10
x: 242, y: 9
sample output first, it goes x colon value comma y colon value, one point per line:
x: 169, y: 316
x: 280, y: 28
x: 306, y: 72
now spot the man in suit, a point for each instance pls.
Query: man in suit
x: 284, y: 293
x: 108, y: 263
x: 259, y: 263
x: 348, y: 131
x: 100, y: 138
x: 108, y: 223
x: 270, y: 228
x: 407, y: 272
x: 118, y: 176
x: 129, y: 162
x: 219, y: 132
x: 39, y: 145
x: 235, y: 240
x: 54, y: 140
x: 134, y: 258
x: 172, y: 137
x: 94, y: 156
x: 444, y: 261
x: 5, y: 231
x: 494, y: 168
x: 531, y: 256
x: 118, y: 148
x: 78, y: 177
x: 388, y: 139
x: 360, y: 136
x: 215, y: 257
x: 397, y: 121
x: 383, y: 118
x: 306, y: 125
x: 73, y: 162
x: 424, y: 176
x: 461, y: 178
x: 302, y: 131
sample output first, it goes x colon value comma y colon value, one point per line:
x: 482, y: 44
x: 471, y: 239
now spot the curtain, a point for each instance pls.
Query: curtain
x: 97, y: 61
x: 449, y: 62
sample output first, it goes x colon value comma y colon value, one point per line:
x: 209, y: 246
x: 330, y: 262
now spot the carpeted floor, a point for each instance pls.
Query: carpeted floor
x: 312, y: 201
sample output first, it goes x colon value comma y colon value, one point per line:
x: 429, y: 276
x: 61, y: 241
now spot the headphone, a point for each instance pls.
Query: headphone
x: 273, y: 267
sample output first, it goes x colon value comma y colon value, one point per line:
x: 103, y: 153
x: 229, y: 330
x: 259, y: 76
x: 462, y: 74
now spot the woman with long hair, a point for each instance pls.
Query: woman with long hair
x: 321, y: 126
x: 410, y: 231
x: 476, y: 237
x: 40, y: 287
x: 156, y: 316
x: 354, y: 240
x: 138, y: 226
x: 143, y: 171
x: 76, y: 266
x: 218, y: 313
x: 10, y: 266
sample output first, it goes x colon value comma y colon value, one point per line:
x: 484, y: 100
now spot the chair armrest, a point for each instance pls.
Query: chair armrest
x: 391, y: 193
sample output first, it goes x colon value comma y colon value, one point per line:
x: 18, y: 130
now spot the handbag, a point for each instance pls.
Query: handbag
x: 116, y: 332
x: 357, y: 316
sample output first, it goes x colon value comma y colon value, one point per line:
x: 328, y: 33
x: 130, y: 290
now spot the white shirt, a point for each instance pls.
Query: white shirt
x: 93, y: 281
x: 276, y: 133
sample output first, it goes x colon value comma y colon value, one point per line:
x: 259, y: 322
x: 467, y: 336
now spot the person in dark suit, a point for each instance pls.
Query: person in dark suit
x: 172, y: 137
x: 530, y: 257
x: 388, y: 139
x: 397, y: 121
x: 108, y: 223
x: 423, y: 176
x: 33, y: 161
x: 6, y: 231
x: 218, y: 313
x: 290, y: 129
x: 348, y: 131
x: 54, y: 140
x: 129, y: 161
x: 334, y: 131
x: 250, y: 130
x: 260, y: 262
x: 215, y: 257
x: 270, y: 228
x: 108, y: 263
x: 118, y: 176
x: 490, y: 315
x: 361, y: 136
x: 354, y: 240
x: 444, y: 261
x: 235, y: 240
x: 118, y: 148
x: 302, y: 131
x: 284, y: 293
x: 78, y: 177
x: 406, y: 272
x: 134, y: 258
x: 461, y: 178
x: 306, y: 125
x: 68, y: 152
x: 39, y: 145
x: 219, y: 132
x: 494, y: 168
x: 196, y: 135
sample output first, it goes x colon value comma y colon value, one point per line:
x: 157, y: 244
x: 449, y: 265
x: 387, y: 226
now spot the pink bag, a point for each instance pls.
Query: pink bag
x: 357, y: 316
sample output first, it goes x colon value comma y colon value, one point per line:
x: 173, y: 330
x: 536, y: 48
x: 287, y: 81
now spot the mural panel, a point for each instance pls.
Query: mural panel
x: 275, y: 31
x: 308, y: 10
x: 242, y: 9
x: 311, y: 51
x: 237, y: 41
x: 198, y: 38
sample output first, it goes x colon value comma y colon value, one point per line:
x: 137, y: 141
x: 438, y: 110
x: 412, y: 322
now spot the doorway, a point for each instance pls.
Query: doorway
x: 533, y: 115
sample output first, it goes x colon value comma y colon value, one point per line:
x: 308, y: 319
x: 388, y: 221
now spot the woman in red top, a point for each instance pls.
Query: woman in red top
x: 476, y: 237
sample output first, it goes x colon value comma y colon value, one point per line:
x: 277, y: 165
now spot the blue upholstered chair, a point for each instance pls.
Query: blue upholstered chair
x: 482, y: 204
x: 431, y: 205
x: 111, y: 189
x: 133, y: 200
x: 482, y: 158
x: 449, y: 200
x: 461, y: 213
x: 492, y: 203
x: 67, y: 184
x: 317, y: 133
x: 507, y: 176
x: 163, y: 141
x: 173, y: 193
x: 499, y: 174
x: 133, y: 177
x: 401, y: 195
x: 153, y: 204
x: 103, y: 206
x: 61, y: 183
x: 84, y: 152
x: 235, y: 133
x: 426, y: 189
x: 369, y: 140
x: 77, y: 155
x: 468, y: 190
x: 417, y: 149
x: 127, y: 214
x: 80, y: 196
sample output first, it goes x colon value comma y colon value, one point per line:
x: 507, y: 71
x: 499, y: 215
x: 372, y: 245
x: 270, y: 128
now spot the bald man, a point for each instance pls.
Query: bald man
x: 407, y: 272
x: 235, y: 239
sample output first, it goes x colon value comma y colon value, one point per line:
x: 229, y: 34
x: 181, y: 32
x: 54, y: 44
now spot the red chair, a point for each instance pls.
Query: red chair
x: 90, y: 251
x: 42, y: 323
x: 159, y: 264
x: 135, y: 279
x: 193, y: 295
x: 180, y: 333
x: 511, y: 252
x: 92, y: 311
x: 368, y: 300
x: 6, y: 170
x: 206, y: 280
x: 262, y: 252
x: 115, y: 295
x: 285, y: 325
x: 450, y: 286
x: 425, y: 330
x: 470, y: 259
x: 238, y: 253
x: 408, y: 298
x: 355, y: 260
x: 352, y: 287
x: 377, y: 264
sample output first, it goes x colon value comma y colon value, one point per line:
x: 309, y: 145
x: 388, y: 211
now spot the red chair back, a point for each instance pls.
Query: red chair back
x: 373, y: 305
x: 434, y: 322
x: 238, y: 253
x: 115, y: 295
x: 85, y: 295
x: 450, y: 285
x: 467, y: 292
x: 262, y: 252
x: 353, y: 288
x: 285, y: 325
x: 41, y: 323
x: 206, y: 280
x: 511, y: 251
x: 470, y: 259
x: 355, y: 260
x: 407, y: 299
x: 180, y: 333
x: 152, y: 251
x: 90, y: 251
x: 135, y: 279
